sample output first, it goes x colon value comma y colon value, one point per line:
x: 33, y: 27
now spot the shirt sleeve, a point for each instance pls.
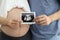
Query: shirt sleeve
x: 17, y: 3
x: 24, y: 4
x: 7, y: 5
x: 2, y: 8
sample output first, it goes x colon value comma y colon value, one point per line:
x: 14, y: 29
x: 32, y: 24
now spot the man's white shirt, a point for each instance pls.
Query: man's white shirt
x: 7, y: 5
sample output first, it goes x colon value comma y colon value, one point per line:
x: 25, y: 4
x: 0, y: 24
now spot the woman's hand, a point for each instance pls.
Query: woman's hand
x: 43, y: 20
x: 14, y: 14
x: 14, y: 24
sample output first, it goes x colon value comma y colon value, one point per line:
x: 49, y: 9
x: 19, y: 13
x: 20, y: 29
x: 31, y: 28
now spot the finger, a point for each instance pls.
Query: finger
x: 40, y: 20
x: 43, y: 24
x: 11, y: 26
x: 20, y: 23
x: 14, y: 22
x: 15, y: 25
x: 36, y: 18
x: 42, y: 16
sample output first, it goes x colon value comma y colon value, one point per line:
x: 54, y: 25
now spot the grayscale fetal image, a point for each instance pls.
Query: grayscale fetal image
x: 27, y: 17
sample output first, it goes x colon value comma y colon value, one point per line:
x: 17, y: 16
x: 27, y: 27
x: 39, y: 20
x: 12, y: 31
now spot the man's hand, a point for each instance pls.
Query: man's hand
x: 43, y: 20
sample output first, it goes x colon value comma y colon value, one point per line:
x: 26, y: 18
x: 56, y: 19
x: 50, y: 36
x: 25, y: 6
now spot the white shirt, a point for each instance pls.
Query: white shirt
x: 6, y: 5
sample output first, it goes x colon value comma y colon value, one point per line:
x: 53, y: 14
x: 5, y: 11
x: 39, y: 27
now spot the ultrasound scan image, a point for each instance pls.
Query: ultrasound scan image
x: 27, y: 17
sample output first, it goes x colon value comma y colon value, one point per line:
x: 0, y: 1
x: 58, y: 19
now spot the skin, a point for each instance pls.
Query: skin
x: 12, y: 24
x: 44, y: 20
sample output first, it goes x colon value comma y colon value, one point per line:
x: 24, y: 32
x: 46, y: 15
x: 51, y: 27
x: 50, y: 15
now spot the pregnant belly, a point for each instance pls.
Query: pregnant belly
x: 20, y: 31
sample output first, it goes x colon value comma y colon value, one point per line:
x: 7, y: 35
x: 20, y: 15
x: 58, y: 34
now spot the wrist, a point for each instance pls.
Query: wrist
x: 5, y: 21
x: 51, y: 18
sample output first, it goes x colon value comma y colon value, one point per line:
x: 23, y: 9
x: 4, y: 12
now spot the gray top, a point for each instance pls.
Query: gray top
x: 46, y: 7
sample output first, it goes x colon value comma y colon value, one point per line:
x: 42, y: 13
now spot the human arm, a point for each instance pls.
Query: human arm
x: 46, y: 20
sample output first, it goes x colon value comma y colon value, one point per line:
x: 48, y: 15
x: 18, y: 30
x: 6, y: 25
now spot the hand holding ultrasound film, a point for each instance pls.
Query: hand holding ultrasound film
x: 27, y: 17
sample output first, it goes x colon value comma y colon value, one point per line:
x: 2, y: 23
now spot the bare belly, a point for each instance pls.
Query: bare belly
x: 20, y: 31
